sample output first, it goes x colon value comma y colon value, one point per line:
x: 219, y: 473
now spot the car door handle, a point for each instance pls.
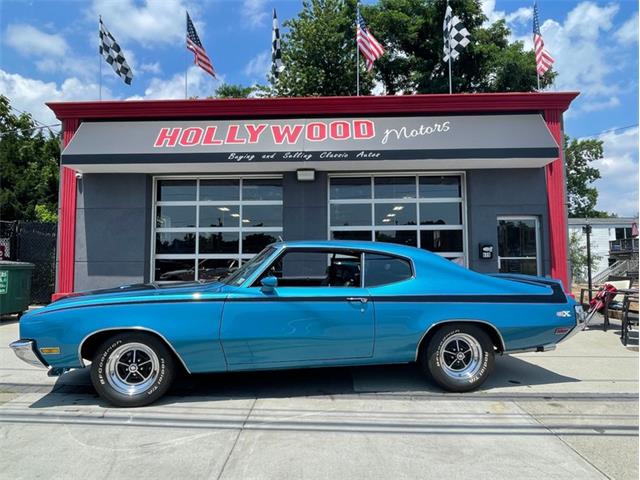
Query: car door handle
x: 357, y: 299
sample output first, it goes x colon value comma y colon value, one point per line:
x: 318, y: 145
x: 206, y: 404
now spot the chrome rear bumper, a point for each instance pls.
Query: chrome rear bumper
x: 26, y: 351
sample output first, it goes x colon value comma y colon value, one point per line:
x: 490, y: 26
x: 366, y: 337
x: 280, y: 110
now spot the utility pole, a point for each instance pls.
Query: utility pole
x: 587, y: 230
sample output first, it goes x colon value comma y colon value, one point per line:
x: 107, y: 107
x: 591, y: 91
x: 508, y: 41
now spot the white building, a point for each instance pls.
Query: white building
x: 603, y: 231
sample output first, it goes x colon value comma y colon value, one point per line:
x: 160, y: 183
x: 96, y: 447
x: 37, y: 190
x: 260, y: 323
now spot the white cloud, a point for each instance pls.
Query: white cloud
x: 594, y: 106
x: 199, y: 83
x: 150, y: 67
x: 618, y: 187
x: 255, y: 12
x: 28, y: 40
x: 259, y: 66
x: 585, y: 60
x: 628, y: 32
x: 521, y: 15
x: 30, y: 95
x: 148, y: 22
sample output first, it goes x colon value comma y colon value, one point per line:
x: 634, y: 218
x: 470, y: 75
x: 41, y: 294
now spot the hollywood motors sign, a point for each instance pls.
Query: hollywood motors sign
x: 265, y: 133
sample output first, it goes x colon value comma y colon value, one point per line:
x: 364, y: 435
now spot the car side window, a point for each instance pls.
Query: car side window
x: 310, y: 268
x: 383, y: 270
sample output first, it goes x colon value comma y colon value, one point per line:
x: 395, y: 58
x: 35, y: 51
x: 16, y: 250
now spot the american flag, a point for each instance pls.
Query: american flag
x: 200, y: 55
x: 543, y: 57
x: 368, y: 45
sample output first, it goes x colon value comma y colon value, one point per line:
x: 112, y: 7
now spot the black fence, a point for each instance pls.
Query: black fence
x: 33, y: 242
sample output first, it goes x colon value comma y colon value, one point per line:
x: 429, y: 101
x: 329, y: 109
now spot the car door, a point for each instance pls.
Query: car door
x: 303, y: 320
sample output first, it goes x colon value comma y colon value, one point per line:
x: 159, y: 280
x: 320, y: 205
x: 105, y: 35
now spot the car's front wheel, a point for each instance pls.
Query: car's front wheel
x: 459, y: 357
x: 132, y: 369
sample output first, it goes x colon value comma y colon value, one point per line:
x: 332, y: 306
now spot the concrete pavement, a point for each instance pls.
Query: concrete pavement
x: 572, y: 413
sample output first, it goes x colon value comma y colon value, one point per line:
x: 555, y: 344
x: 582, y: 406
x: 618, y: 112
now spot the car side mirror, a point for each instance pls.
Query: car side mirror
x: 269, y: 284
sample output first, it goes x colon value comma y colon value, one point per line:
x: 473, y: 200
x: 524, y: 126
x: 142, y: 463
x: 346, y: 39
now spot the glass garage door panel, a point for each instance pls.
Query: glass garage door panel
x: 395, y: 213
x: 212, y: 216
x: 359, y: 235
x: 403, y: 237
x: 351, y: 188
x: 175, y: 242
x: 176, y: 190
x: 440, y: 187
x: 350, y: 214
x: 395, y: 187
x: 175, y: 216
x: 181, y: 270
x: 219, y: 190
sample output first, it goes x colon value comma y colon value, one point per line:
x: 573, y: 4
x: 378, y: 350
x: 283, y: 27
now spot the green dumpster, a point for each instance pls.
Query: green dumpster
x: 15, y: 286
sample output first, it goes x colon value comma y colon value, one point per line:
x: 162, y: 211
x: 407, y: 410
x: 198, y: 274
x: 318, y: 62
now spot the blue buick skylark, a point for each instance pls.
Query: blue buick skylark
x: 301, y: 304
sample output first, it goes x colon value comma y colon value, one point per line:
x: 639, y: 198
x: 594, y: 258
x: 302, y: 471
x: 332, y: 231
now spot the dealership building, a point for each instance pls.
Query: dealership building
x: 184, y: 189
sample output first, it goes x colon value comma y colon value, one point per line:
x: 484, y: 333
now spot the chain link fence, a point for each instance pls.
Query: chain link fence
x: 33, y: 242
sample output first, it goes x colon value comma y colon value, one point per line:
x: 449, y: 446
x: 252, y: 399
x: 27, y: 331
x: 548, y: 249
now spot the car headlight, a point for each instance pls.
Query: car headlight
x: 581, y: 315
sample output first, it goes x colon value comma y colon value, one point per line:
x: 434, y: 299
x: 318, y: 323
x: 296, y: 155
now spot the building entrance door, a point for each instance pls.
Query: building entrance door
x: 519, y: 245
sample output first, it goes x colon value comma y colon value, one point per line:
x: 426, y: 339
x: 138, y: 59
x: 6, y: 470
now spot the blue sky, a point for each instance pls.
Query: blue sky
x: 48, y: 51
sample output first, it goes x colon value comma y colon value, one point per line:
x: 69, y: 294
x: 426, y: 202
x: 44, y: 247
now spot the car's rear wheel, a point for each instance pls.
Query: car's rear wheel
x: 459, y: 357
x: 132, y: 369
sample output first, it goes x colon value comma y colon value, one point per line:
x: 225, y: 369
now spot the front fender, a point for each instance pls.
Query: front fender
x: 190, y: 328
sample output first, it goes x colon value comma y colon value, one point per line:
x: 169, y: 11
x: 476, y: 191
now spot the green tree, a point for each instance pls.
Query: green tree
x: 582, y: 196
x: 28, y: 166
x: 229, y: 90
x: 578, y: 258
x: 319, y: 50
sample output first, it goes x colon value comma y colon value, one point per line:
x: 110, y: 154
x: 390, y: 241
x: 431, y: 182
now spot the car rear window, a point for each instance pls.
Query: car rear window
x: 384, y: 269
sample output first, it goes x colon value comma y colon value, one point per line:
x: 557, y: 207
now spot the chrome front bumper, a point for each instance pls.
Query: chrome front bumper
x: 26, y: 351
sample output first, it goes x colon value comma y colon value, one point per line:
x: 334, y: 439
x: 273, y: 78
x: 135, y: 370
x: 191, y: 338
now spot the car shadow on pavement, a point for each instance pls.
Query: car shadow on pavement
x: 406, y: 380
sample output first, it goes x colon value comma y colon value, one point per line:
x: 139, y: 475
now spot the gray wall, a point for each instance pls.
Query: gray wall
x: 305, y: 208
x: 114, y: 219
x: 112, y: 230
x: 493, y: 193
x: 305, y: 216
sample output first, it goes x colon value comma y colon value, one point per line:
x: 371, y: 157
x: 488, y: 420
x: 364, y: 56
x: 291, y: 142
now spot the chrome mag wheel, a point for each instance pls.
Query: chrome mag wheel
x: 132, y: 368
x: 461, y: 356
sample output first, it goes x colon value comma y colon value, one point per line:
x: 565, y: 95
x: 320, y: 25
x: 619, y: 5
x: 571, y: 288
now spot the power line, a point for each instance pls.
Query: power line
x: 26, y: 113
x: 610, y: 130
x: 2, y: 134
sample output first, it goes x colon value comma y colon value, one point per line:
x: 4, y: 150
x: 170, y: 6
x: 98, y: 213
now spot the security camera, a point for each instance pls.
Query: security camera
x: 78, y: 175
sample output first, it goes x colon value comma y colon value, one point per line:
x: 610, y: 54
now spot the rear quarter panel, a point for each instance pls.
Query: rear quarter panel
x: 442, y: 292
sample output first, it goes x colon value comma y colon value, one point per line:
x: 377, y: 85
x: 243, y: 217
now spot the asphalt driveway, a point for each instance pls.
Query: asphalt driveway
x: 572, y: 413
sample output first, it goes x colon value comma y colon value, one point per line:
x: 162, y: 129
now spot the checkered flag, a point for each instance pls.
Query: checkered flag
x: 276, y: 54
x: 112, y: 53
x: 456, y: 36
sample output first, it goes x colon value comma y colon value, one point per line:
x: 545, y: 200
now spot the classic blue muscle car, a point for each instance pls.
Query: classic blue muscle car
x: 301, y: 304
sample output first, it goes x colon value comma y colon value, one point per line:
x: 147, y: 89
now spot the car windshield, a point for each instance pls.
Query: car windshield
x: 246, y: 270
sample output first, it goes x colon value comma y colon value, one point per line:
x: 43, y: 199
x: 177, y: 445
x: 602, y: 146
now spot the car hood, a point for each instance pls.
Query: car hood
x: 134, y: 292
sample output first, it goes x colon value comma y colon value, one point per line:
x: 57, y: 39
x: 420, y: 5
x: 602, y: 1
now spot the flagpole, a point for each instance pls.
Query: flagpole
x: 186, y: 63
x: 99, y: 62
x: 450, y: 87
x: 357, y: 50
x: 449, y: 42
x: 538, y: 77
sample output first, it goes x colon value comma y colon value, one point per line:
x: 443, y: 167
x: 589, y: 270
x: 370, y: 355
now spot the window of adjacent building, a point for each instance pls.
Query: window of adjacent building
x: 383, y: 270
x: 205, y: 227
x: 425, y: 211
x: 518, y: 245
x: 622, y: 233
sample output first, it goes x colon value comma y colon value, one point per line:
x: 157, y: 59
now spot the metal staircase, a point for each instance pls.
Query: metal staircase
x: 619, y: 268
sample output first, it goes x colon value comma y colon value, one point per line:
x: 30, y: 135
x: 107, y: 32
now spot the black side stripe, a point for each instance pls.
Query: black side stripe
x: 557, y: 296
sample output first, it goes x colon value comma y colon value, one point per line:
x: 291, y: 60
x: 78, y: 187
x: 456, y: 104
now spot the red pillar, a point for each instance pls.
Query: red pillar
x: 556, y: 199
x: 67, y: 219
